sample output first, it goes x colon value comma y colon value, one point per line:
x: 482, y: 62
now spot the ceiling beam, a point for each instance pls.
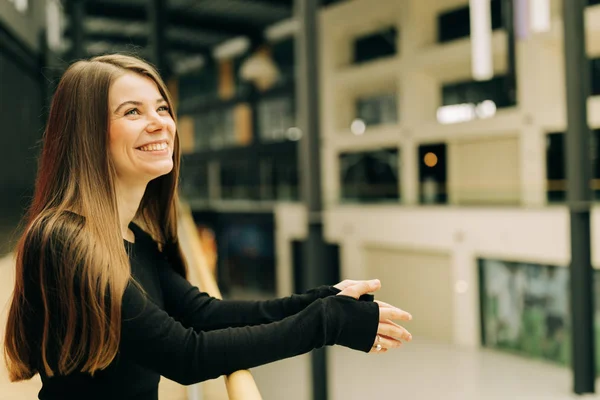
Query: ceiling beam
x: 181, y: 18
x: 288, y: 4
x: 138, y: 41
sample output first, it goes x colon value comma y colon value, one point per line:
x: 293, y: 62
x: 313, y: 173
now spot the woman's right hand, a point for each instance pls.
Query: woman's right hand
x: 389, y: 334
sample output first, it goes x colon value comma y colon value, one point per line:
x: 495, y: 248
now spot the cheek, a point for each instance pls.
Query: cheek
x: 172, y: 127
x: 119, y: 140
x: 113, y: 139
x: 122, y: 134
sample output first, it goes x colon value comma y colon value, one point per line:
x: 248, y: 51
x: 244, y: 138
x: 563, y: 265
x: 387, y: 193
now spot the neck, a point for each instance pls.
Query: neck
x: 129, y: 198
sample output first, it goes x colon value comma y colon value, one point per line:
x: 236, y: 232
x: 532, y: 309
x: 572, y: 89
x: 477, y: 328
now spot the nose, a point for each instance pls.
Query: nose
x: 155, y: 122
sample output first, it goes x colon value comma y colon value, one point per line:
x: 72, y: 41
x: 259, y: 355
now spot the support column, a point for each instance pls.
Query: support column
x: 579, y: 196
x: 508, y: 15
x: 77, y: 16
x: 157, y: 24
x: 307, y: 95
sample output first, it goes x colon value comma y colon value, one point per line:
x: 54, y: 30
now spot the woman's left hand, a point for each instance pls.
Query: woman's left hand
x: 386, y: 341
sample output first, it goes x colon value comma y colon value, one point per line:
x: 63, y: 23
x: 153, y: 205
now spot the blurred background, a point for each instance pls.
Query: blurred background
x: 432, y: 144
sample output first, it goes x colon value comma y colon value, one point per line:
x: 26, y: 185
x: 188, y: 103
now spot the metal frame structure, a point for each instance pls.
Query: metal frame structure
x: 307, y: 95
x: 579, y: 196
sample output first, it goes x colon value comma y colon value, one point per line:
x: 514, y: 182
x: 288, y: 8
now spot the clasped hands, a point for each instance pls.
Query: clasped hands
x: 389, y: 334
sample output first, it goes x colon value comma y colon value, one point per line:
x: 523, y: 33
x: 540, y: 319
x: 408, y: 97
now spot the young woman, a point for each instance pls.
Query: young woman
x: 101, y: 307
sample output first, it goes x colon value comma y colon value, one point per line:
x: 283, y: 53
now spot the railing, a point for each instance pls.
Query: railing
x: 240, y: 385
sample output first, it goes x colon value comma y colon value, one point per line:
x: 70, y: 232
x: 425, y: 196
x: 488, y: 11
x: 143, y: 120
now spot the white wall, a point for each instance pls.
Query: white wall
x: 529, y: 231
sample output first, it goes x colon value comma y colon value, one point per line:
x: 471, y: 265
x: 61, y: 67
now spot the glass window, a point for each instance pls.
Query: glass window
x: 595, y: 76
x: 194, y: 180
x: 432, y: 174
x: 525, y: 309
x: 245, y: 244
x: 456, y: 23
x: 376, y: 45
x: 476, y: 92
x: 237, y: 179
x: 370, y: 176
x: 556, y: 174
x: 276, y: 115
x: 377, y: 110
x: 217, y: 129
x: 279, y: 175
x: 247, y: 255
x: 283, y: 53
x: 200, y: 87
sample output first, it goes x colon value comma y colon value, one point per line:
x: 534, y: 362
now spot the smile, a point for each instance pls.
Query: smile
x: 154, y: 147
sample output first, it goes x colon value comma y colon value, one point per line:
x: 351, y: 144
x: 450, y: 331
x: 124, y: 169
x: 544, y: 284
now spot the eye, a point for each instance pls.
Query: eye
x: 163, y: 108
x: 133, y: 111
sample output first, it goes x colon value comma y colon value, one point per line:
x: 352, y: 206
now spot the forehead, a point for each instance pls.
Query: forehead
x: 134, y: 87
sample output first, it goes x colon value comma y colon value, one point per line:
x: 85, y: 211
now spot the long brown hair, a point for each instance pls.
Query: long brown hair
x: 71, y: 255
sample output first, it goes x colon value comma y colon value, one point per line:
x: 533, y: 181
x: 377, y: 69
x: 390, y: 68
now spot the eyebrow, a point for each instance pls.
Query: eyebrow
x: 137, y: 103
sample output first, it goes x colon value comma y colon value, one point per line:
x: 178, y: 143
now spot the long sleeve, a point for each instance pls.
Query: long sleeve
x: 152, y: 342
x: 202, y: 312
x: 152, y: 338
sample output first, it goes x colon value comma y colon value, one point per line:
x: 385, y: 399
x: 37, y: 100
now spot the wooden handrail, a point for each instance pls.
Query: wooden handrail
x: 240, y: 384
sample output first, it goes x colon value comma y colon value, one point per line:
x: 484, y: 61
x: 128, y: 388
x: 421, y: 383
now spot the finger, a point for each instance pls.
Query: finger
x: 362, y: 287
x: 375, y: 351
x: 394, y: 331
x: 390, y: 338
x: 383, y: 304
x: 348, y: 283
x: 387, y: 342
x: 345, y: 283
x: 394, y: 314
x: 389, y: 321
x: 379, y: 346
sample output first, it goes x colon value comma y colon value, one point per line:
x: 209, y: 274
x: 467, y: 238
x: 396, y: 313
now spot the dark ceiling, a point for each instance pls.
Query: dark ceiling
x: 193, y: 27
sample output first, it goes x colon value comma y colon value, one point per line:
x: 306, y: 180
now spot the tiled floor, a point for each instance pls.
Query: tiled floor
x: 422, y: 371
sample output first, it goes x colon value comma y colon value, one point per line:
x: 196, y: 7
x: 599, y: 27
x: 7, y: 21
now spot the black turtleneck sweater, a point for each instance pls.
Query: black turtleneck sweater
x: 178, y: 332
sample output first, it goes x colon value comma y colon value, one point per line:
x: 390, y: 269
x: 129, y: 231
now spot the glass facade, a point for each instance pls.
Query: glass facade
x: 370, y: 176
x: 525, y: 309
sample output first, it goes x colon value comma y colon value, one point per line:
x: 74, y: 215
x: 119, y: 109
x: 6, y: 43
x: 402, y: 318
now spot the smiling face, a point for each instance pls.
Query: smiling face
x: 141, y: 130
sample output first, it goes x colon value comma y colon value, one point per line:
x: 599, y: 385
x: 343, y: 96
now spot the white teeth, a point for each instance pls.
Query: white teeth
x: 154, y: 147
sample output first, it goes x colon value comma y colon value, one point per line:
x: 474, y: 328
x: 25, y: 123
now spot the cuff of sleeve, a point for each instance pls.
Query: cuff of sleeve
x: 331, y: 290
x: 325, y: 291
x: 367, y: 297
x: 359, y: 323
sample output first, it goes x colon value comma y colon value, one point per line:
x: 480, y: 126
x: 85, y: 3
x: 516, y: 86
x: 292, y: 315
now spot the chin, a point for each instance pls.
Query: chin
x: 157, y: 173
